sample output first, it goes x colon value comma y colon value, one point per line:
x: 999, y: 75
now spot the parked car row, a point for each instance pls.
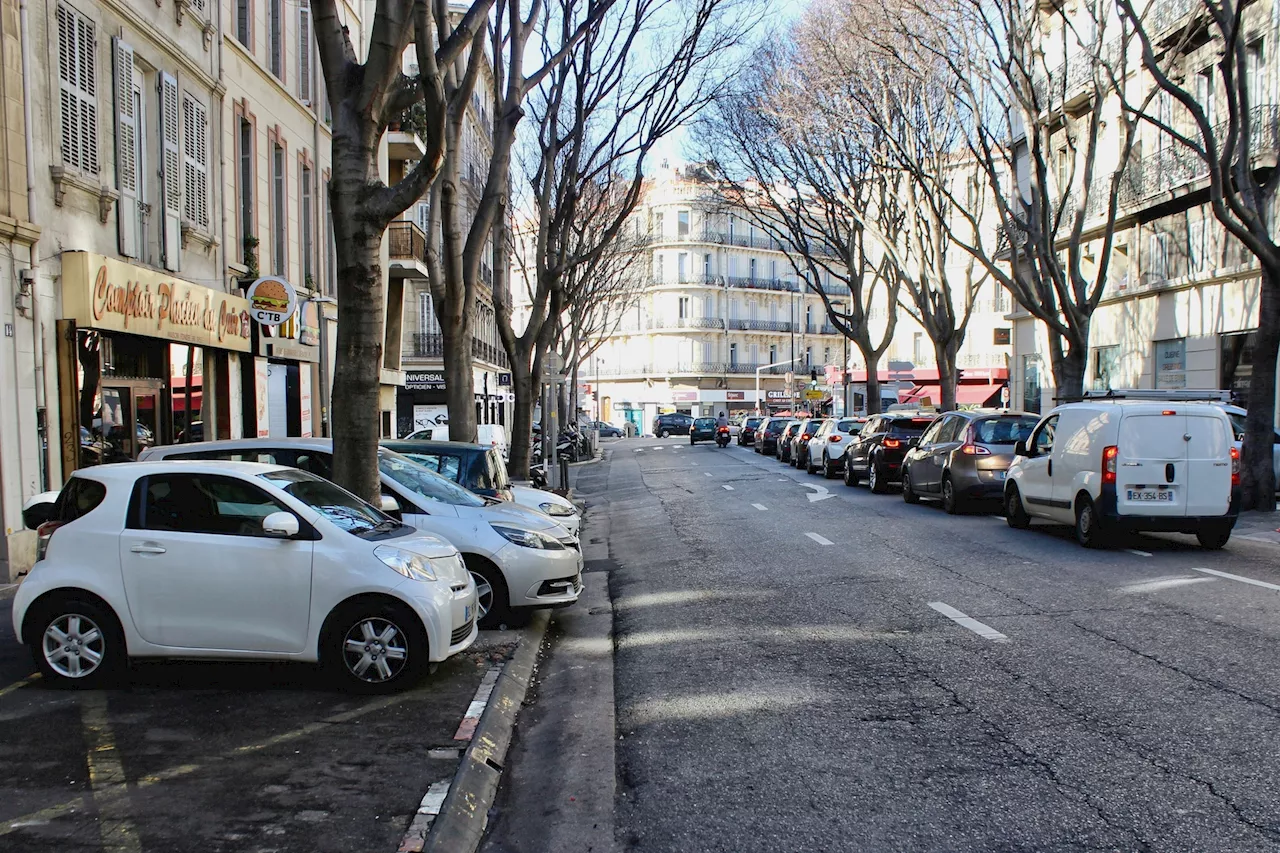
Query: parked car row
x: 1104, y: 464
x: 244, y: 549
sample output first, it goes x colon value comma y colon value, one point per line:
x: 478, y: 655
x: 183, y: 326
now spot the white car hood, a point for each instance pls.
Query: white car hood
x: 423, y: 544
x: 522, y: 516
x: 530, y: 497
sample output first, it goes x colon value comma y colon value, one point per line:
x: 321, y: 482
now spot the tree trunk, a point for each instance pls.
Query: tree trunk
x: 872, y: 359
x: 358, y: 362
x: 948, y: 374
x: 526, y: 393
x: 1258, y: 480
x: 459, y: 377
x: 1068, y: 370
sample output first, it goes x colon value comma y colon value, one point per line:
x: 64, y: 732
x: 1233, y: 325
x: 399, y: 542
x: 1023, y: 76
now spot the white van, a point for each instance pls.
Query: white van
x: 1107, y: 465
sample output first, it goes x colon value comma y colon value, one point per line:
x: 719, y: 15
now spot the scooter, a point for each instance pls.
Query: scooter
x: 722, y: 436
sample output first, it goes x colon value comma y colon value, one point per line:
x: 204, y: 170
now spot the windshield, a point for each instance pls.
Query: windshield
x: 428, y: 484
x: 337, y: 505
x: 1003, y: 430
x: 909, y: 428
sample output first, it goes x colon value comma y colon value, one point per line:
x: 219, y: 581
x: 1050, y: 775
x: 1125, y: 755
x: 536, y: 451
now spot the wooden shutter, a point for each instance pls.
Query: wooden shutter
x: 170, y: 169
x: 195, y: 162
x: 305, y: 93
x: 275, y: 12
x: 78, y: 91
x: 126, y: 149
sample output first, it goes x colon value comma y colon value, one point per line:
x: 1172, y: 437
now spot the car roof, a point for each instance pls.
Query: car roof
x: 1134, y: 407
x: 239, y: 444
x: 128, y: 472
x: 427, y: 444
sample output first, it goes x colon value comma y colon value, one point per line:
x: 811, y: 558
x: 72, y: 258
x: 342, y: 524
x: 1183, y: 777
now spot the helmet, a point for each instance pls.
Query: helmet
x: 722, y: 414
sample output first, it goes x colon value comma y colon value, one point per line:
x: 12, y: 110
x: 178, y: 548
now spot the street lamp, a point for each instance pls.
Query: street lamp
x: 837, y: 306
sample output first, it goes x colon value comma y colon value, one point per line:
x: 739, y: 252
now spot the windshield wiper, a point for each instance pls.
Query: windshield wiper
x: 382, y: 526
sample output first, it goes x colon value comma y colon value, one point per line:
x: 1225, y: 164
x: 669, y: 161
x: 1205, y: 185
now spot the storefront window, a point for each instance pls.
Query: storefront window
x: 1030, y: 384
x: 1237, y: 366
x: 1171, y: 363
x: 186, y: 380
x: 1105, y: 361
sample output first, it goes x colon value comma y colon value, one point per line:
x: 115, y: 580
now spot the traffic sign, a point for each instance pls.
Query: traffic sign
x: 814, y: 394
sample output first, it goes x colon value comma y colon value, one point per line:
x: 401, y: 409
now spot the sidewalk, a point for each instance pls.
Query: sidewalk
x: 1258, y: 527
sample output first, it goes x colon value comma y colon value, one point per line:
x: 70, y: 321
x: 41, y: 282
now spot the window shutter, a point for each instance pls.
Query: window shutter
x: 78, y: 91
x: 195, y: 162
x: 171, y: 166
x: 126, y: 149
x: 276, y: 13
x: 304, y: 54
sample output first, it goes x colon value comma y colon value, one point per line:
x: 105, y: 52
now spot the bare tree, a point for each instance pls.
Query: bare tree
x: 646, y: 68
x: 1231, y: 140
x: 364, y: 97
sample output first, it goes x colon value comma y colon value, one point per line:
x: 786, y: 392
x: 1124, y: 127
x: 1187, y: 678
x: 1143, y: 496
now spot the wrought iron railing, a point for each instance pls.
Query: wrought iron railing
x: 431, y: 345
x: 405, y: 241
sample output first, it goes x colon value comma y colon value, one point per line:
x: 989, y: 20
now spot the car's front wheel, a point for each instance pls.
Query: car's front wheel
x: 77, y: 642
x: 666, y: 433
x: 376, y: 647
x: 908, y: 494
x: 850, y: 478
x: 1014, y: 512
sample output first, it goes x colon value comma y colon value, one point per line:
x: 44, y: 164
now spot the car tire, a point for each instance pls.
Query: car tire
x: 88, y: 649
x: 666, y: 433
x: 908, y: 494
x: 493, y: 602
x: 395, y: 646
x: 950, y: 502
x: 827, y: 471
x: 809, y: 467
x: 1090, y: 532
x: 875, y: 479
x: 1214, y: 537
x: 1015, y: 514
x: 850, y: 478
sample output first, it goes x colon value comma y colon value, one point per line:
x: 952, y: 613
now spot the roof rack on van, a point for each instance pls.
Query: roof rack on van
x: 1163, y: 395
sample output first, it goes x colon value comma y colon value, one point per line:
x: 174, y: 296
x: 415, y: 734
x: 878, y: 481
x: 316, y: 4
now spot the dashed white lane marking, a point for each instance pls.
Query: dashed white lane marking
x: 657, y: 447
x: 727, y: 488
x: 4, y: 587
x: 1240, y: 578
x: 1162, y: 583
x: 1138, y: 553
x: 706, y: 473
x: 984, y: 631
x: 761, y: 507
x: 782, y: 479
x: 821, y: 540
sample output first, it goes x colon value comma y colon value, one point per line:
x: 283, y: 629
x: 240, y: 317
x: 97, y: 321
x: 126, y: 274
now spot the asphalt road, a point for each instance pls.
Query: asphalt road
x: 797, y: 675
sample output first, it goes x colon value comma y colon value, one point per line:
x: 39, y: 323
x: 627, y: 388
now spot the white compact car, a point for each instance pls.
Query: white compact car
x: 1107, y: 465
x: 826, y: 448
x: 237, y: 560
x: 520, y: 558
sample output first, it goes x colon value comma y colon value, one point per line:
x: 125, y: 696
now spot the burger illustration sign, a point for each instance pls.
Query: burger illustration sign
x: 272, y: 300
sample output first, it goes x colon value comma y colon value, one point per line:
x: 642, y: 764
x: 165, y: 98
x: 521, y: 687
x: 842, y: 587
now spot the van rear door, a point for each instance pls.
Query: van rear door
x: 1151, y: 464
x: 1208, y: 464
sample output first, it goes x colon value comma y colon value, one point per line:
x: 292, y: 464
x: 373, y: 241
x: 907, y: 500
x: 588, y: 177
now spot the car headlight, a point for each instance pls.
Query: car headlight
x: 415, y: 567
x: 556, y: 509
x: 527, y: 538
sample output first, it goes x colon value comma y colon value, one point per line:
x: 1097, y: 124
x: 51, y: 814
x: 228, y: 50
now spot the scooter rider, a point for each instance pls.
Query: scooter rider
x: 722, y: 421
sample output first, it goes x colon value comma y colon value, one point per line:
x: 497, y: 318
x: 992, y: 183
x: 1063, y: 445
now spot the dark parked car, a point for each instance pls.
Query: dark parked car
x: 767, y: 435
x: 784, y: 440
x: 800, y: 442
x: 478, y: 467
x: 606, y: 430
x: 963, y: 456
x: 747, y: 434
x: 877, y: 453
x: 675, y: 423
x: 703, y: 429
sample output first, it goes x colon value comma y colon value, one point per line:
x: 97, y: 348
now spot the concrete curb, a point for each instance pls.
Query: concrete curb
x: 465, y: 811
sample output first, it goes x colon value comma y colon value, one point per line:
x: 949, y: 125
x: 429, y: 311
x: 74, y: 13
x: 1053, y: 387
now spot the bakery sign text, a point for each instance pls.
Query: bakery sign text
x: 111, y: 295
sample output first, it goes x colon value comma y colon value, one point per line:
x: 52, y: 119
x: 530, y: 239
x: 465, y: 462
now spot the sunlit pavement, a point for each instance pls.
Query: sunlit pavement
x: 802, y: 666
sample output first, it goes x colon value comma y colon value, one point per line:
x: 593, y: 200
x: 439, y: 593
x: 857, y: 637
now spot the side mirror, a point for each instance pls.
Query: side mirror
x: 36, y: 515
x: 390, y: 506
x: 280, y: 525
x: 1020, y: 449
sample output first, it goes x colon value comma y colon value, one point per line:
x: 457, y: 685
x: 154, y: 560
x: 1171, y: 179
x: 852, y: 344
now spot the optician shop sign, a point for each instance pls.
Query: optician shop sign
x: 109, y: 295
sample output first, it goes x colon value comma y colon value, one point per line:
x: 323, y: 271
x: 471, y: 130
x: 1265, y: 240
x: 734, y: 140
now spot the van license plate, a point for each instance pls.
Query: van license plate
x: 1154, y: 497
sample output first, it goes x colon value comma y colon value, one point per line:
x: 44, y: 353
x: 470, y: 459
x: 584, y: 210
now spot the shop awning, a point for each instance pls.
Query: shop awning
x: 966, y: 395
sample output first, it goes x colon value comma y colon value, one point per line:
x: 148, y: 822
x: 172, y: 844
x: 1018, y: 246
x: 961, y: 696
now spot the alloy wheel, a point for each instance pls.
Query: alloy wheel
x: 375, y: 650
x: 949, y: 496
x: 484, y: 595
x: 74, y: 645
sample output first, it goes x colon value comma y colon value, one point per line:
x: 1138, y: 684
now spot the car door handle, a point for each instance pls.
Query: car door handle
x: 1050, y: 467
x: 147, y: 549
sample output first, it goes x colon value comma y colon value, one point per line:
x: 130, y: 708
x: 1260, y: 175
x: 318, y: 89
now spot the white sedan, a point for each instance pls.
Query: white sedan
x: 240, y: 561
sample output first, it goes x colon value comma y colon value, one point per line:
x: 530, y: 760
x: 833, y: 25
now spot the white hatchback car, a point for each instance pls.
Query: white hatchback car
x: 520, y: 558
x: 1111, y: 465
x: 227, y: 560
x: 826, y: 448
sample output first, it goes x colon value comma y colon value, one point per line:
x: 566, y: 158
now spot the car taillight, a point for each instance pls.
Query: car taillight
x: 805, y: 436
x: 1109, y: 465
x: 834, y: 438
x: 892, y: 442
x: 1235, y: 466
x: 969, y: 449
x: 44, y: 533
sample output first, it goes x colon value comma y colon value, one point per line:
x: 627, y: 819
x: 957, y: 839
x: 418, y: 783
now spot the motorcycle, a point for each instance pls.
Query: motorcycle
x: 722, y: 436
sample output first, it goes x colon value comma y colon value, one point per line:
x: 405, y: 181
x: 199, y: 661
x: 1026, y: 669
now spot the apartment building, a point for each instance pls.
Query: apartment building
x: 1180, y: 304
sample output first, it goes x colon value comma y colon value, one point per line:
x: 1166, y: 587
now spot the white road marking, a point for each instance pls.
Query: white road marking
x: 727, y: 488
x: 7, y: 586
x: 656, y: 447
x: 761, y: 507
x: 821, y: 494
x: 821, y: 540
x: 1138, y: 553
x: 1240, y: 578
x: 782, y: 479
x: 706, y: 473
x: 984, y: 631
x: 1162, y: 583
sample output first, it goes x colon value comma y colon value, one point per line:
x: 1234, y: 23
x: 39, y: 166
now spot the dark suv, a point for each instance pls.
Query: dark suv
x: 672, y: 424
x: 747, y: 433
x: 784, y: 440
x: 878, y: 451
x: 767, y: 435
x: 800, y: 442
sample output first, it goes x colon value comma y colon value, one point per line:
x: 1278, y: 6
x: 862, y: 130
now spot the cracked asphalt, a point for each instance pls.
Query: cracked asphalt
x: 777, y: 694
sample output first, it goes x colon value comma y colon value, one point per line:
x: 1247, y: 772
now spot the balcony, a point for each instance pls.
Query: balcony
x: 1175, y: 167
x: 1070, y: 84
x: 432, y: 346
x: 407, y: 248
x: 762, y: 325
x: 403, y: 145
x: 696, y: 368
x: 1166, y: 19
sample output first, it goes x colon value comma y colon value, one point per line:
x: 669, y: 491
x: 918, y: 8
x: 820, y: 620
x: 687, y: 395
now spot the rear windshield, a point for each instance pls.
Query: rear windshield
x: 491, y: 473
x: 753, y: 422
x: 851, y: 427
x: 909, y: 428
x: 812, y: 426
x: 428, y: 484
x: 1006, y: 429
x: 705, y: 422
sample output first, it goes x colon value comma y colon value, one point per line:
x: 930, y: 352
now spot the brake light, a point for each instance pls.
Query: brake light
x: 1168, y: 412
x: 834, y: 438
x: 805, y: 436
x: 44, y: 533
x: 1109, y: 465
x: 1235, y: 466
x: 974, y: 450
x: 892, y: 442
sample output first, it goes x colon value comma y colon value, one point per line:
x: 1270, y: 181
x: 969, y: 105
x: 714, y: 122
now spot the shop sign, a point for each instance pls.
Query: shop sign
x: 776, y: 395
x: 1171, y: 363
x: 735, y: 395
x: 261, y: 380
x: 304, y: 400
x: 430, y: 380
x: 684, y: 396
x: 308, y: 328
x: 504, y: 379
x: 113, y: 296
x: 272, y: 300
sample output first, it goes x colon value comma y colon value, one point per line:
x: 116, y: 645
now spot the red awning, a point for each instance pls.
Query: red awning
x: 966, y: 395
x: 920, y: 392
